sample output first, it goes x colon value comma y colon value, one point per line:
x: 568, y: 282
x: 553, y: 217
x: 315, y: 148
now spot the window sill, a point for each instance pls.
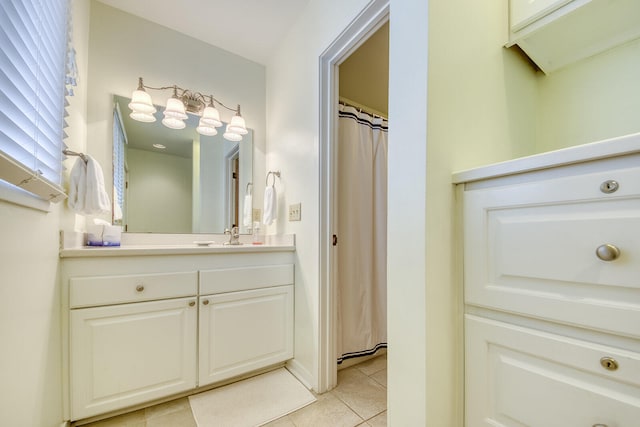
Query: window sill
x: 12, y: 194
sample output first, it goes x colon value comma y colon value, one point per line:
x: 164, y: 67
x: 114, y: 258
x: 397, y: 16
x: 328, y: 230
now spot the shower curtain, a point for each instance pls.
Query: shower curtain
x: 362, y: 233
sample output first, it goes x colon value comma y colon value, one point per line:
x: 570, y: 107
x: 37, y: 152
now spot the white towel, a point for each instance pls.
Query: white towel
x: 87, y: 195
x: 247, y: 216
x: 270, y: 205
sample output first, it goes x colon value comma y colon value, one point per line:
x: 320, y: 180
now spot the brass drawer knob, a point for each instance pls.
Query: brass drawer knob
x: 192, y: 303
x: 609, y: 363
x: 140, y: 288
x: 205, y: 302
x: 608, y: 252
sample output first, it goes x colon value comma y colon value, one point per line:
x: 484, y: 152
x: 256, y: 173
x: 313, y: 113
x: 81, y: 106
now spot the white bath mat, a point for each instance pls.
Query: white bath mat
x: 251, y: 402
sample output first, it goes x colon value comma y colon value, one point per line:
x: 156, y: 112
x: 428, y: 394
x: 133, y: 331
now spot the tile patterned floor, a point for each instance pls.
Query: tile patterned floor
x: 360, y: 399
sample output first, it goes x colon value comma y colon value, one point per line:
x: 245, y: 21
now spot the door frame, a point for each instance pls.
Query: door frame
x: 357, y: 32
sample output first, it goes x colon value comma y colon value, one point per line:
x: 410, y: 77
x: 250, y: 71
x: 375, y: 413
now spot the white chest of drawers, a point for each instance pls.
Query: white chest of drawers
x: 552, y: 288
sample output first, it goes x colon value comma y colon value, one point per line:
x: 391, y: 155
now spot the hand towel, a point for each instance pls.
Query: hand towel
x: 87, y: 195
x: 77, y: 186
x: 270, y: 205
x: 247, y: 216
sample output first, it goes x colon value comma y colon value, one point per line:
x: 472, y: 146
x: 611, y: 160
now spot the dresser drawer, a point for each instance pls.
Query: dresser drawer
x: 246, y: 278
x: 517, y: 376
x: 104, y: 290
x: 531, y: 249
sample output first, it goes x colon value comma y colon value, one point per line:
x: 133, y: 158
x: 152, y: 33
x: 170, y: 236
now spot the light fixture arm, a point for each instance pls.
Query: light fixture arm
x: 180, y: 92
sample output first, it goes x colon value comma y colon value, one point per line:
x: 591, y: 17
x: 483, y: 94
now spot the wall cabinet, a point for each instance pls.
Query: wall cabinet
x: 551, y: 289
x: 556, y: 33
x: 142, y: 331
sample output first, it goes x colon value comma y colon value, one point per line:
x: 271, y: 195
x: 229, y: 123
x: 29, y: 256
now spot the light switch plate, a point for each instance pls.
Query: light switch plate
x: 295, y: 212
x: 257, y: 213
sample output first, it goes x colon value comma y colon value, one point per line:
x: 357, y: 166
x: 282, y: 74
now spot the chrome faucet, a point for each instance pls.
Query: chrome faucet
x: 234, y: 234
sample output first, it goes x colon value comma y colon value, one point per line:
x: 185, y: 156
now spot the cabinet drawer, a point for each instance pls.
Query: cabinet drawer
x: 531, y: 249
x: 239, y: 279
x: 103, y: 290
x: 517, y: 376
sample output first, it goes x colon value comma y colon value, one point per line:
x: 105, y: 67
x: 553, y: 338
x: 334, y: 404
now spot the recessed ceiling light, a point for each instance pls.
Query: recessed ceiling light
x: 159, y: 146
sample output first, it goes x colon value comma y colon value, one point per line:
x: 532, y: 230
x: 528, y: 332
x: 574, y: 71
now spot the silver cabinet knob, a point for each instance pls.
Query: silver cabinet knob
x: 140, y: 288
x: 609, y: 363
x: 608, y: 252
x: 192, y: 303
x: 205, y: 302
x: 609, y: 186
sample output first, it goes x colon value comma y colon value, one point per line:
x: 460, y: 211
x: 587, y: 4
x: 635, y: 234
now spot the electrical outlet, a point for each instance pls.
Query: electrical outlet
x: 295, y: 212
x: 257, y: 214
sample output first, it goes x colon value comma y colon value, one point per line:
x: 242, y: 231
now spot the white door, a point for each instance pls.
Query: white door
x: 127, y: 354
x: 244, y: 331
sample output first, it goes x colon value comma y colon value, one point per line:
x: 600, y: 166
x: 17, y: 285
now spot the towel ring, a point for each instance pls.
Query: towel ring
x: 274, y: 174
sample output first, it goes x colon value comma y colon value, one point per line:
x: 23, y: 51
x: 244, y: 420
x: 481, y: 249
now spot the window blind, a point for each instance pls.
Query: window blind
x: 119, y: 141
x: 33, y: 37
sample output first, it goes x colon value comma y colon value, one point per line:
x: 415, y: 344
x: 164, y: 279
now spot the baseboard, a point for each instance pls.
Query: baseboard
x: 300, y: 373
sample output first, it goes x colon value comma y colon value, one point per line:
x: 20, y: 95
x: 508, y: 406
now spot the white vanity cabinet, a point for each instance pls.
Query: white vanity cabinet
x: 552, y: 288
x: 555, y: 33
x: 148, y: 325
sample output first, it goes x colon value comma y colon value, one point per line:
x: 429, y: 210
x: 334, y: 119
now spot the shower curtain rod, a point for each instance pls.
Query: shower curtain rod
x: 363, y: 108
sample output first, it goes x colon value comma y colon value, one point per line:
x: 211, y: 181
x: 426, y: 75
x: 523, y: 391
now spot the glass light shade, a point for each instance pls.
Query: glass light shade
x: 237, y: 125
x: 204, y: 129
x: 141, y: 102
x: 211, y: 117
x: 173, y: 123
x: 175, y: 109
x: 142, y: 117
x: 231, y: 136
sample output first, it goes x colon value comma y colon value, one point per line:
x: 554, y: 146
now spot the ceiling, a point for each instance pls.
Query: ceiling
x: 248, y: 28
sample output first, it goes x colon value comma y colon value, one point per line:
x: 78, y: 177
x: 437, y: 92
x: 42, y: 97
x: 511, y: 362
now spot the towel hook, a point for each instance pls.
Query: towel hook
x: 274, y: 173
x: 249, y: 189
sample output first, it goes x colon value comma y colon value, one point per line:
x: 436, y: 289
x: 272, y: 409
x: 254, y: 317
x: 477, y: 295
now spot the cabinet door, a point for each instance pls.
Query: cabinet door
x: 127, y: 354
x: 515, y: 376
x: 244, y: 331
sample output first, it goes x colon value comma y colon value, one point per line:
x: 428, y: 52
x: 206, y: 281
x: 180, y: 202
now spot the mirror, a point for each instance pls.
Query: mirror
x: 177, y: 181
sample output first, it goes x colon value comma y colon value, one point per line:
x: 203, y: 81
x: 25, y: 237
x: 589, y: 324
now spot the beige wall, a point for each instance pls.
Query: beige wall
x: 364, y: 75
x: 30, y: 331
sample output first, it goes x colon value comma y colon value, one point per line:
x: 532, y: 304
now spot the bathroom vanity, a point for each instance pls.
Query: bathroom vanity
x: 148, y: 321
x: 552, y: 288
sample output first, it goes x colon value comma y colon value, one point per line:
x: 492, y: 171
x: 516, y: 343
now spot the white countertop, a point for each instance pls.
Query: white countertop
x: 145, y: 244
x: 619, y: 146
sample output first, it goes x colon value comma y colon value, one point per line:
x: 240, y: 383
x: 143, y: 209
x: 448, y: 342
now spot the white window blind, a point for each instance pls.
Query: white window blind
x: 33, y: 40
x: 119, y: 141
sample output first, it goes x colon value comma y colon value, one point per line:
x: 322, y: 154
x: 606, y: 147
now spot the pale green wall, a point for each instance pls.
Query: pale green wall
x: 159, y: 193
x: 594, y: 99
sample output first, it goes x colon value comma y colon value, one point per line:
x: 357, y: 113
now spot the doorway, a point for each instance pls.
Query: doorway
x: 375, y: 16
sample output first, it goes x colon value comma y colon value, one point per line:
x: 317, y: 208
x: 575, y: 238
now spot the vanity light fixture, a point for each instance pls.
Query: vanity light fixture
x: 181, y: 102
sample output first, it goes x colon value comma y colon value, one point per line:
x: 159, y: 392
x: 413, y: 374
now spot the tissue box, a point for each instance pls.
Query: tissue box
x: 103, y: 235
x: 94, y: 234
x: 111, y: 235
